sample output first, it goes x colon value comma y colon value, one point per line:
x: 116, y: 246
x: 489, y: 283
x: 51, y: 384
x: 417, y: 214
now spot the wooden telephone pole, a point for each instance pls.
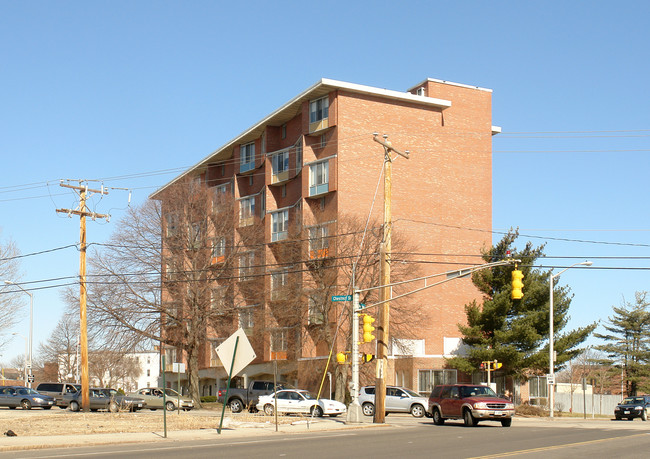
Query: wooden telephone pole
x: 83, y: 212
x: 383, y: 336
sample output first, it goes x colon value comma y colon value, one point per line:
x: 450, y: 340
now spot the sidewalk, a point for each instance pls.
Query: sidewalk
x: 230, y: 430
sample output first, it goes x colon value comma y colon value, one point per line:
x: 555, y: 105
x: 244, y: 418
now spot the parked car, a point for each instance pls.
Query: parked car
x: 154, y: 398
x: 104, y: 399
x: 471, y: 403
x: 24, y: 397
x: 633, y: 407
x: 299, y: 401
x: 238, y: 399
x: 398, y: 400
x: 58, y: 390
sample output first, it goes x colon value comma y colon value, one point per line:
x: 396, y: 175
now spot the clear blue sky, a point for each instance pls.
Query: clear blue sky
x: 106, y: 89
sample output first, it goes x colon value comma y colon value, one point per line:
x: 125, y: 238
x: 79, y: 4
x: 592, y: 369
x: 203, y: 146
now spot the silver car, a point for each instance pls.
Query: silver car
x: 398, y: 400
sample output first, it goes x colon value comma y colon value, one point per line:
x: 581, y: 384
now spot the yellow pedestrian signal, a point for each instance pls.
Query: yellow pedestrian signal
x: 368, y: 328
x: 517, y: 285
x: 341, y: 357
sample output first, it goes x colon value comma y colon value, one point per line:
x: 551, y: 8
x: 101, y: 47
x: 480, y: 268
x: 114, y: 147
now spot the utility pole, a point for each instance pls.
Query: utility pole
x: 83, y: 212
x: 383, y: 335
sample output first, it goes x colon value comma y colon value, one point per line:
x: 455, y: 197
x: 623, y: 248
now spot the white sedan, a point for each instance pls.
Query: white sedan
x: 299, y: 401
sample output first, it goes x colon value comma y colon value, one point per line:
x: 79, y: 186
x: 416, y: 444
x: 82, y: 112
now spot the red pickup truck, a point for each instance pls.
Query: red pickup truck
x: 471, y: 403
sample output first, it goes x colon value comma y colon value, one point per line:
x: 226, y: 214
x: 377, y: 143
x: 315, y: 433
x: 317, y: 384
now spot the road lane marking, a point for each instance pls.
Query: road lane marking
x: 550, y: 448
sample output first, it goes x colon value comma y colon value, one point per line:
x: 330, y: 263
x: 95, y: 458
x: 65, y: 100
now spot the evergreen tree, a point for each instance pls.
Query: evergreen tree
x: 515, y: 332
x: 627, y: 343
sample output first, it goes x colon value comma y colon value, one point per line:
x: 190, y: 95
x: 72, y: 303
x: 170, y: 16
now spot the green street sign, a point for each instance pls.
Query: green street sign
x: 341, y: 297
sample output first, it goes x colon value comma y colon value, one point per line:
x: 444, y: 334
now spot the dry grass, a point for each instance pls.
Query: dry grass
x: 68, y: 423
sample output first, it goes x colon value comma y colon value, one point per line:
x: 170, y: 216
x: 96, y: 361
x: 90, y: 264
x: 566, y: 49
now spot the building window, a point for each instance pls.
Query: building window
x: 218, y: 250
x: 319, y: 178
x: 218, y: 298
x: 246, y: 211
x: 247, y: 317
x: 223, y: 170
x: 221, y: 191
x: 195, y: 235
x: 246, y: 264
x: 280, y: 166
x: 148, y: 372
x: 316, y: 315
x: 323, y: 140
x: 172, y: 314
x: 279, y: 344
x: 279, y: 225
x: 284, y: 131
x: 428, y: 379
x: 172, y: 224
x: 247, y: 157
x: 298, y: 156
x: 420, y: 91
x: 171, y: 356
x: 279, y: 282
x: 538, y: 386
x: 318, y: 242
x: 318, y: 109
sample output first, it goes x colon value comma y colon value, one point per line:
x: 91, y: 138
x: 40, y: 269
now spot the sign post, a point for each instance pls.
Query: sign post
x: 236, y: 362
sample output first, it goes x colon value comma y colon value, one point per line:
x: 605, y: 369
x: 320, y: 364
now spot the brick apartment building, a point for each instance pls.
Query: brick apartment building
x: 314, y: 160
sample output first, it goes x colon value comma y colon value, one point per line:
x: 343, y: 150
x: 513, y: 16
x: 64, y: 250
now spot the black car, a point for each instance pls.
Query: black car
x: 633, y: 407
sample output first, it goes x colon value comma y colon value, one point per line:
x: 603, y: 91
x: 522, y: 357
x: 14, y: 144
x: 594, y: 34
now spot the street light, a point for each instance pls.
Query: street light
x: 551, y: 353
x: 25, y: 338
x: 31, y: 327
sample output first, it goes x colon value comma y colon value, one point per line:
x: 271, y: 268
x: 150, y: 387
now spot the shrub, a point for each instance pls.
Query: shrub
x: 530, y: 410
x: 209, y: 399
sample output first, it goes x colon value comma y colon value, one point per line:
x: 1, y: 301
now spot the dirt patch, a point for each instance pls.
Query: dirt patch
x: 67, y: 423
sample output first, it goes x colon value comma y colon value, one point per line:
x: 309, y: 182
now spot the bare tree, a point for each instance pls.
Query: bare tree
x: 61, y: 346
x: 10, y: 297
x: 166, y: 275
x: 320, y: 261
x: 113, y: 369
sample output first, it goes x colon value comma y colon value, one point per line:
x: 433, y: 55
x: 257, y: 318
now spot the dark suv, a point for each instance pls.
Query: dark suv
x: 633, y: 407
x: 471, y: 403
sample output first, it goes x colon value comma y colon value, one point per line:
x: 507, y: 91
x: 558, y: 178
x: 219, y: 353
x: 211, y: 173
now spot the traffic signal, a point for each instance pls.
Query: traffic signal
x: 341, y: 357
x: 367, y: 358
x: 517, y: 284
x: 482, y: 366
x: 368, y: 328
x: 497, y: 365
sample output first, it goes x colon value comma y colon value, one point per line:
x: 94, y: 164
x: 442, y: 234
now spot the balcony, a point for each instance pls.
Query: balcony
x: 319, y: 125
x: 278, y: 355
x: 319, y: 253
x: 217, y: 260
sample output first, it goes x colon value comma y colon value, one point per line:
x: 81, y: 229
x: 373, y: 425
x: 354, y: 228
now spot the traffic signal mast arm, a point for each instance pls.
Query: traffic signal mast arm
x: 459, y: 273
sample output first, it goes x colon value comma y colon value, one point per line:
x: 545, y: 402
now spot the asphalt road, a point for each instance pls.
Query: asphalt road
x: 404, y: 437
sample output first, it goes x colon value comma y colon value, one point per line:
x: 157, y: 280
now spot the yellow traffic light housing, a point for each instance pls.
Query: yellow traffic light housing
x: 368, y: 328
x: 497, y: 365
x: 367, y: 358
x: 517, y: 284
x: 341, y: 357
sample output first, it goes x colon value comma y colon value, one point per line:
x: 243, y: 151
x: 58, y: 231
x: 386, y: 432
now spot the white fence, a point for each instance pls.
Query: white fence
x: 594, y: 403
